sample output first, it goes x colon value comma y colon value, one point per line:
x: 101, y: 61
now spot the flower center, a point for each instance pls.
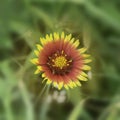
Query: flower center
x: 60, y: 62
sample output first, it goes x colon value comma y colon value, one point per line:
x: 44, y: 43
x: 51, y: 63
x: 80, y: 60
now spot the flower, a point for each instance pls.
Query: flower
x: 61, y: 61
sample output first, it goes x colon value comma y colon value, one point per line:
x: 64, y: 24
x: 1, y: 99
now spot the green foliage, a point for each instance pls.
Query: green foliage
x: 23, y: 96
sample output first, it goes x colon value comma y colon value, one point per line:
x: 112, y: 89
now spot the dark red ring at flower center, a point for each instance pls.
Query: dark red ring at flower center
x: 59, y: 63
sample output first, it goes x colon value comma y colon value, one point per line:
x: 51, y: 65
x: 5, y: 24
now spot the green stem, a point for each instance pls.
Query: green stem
x: 39, y: 96
x: 9, y: 114
x: 27, y: 102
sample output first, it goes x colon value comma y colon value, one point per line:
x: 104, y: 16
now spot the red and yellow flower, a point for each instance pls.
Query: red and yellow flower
x: 61, y: 61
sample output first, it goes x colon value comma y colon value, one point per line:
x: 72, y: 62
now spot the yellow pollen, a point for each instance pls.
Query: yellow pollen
x: 60, y: 62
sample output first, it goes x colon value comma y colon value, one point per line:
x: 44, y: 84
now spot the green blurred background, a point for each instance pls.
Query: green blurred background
x: 22, y: 94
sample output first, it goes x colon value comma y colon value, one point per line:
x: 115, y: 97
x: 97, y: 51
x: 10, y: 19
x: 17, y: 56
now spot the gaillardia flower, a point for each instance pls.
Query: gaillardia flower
x: 61, y: 61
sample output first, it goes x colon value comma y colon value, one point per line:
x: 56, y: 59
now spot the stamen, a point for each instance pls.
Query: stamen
x: 55, y: 54
x: 53, y: 60
x: 70, y: 60
x: 67, y: 64
x: 49, y: 57
x: 62, y: 52
x: 53, y: 71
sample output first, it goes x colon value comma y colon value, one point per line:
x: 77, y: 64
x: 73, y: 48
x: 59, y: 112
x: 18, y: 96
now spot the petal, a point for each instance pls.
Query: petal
x: 56, y: 36
x: 62, y: 35
x: 48, y: 81
x: 66, y: 87
x: 35, y: 61
x: 74, y: 84
x: 55, y: 84
x: 43, y: 75
x: 70, y: 84
x: 85, y: 55
x: 86, y: 67
x: 83, y: 74
x: 39, y: 47
x: 60, y: 85
x: 78, y: 83
x: 72, y: 40
x: 37, y: 71
x: 80, y: 77
x: 43, y: 41
x: 36, y: 52
x: 68, y: 37
x: 82, y: 50
x: 49, y: 38
x: 87, y: 60
x: 76, y: 43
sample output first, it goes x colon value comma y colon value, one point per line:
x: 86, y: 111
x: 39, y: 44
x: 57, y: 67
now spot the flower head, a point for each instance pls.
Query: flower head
x: 61, y: 61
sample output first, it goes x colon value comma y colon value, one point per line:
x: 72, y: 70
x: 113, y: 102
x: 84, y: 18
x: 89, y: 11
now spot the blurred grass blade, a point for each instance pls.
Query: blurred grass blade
x: 43, y: 16
x: 76, y: 111
x: 103, y: 15
x: 27, y: 102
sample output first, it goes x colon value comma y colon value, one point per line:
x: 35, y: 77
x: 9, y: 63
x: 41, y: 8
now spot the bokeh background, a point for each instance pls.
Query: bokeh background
x: 23, y: 96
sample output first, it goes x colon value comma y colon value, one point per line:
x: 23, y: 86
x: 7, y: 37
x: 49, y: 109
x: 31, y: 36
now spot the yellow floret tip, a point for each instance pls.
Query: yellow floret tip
x: 80, y: 77
x: 36, y: 52
x: 86, y: 67
x: 39, y: 47
x: 66, y: 87
x: 48, y: 81
x: 60, y: 85
x: 76, y: 43
x: 56, y: 36
x: 34, y: 60
x: 43, y: 41
x: 82, y: 50
x: 78, y: 83
x: 62, y: 35
x: 87, y: 60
